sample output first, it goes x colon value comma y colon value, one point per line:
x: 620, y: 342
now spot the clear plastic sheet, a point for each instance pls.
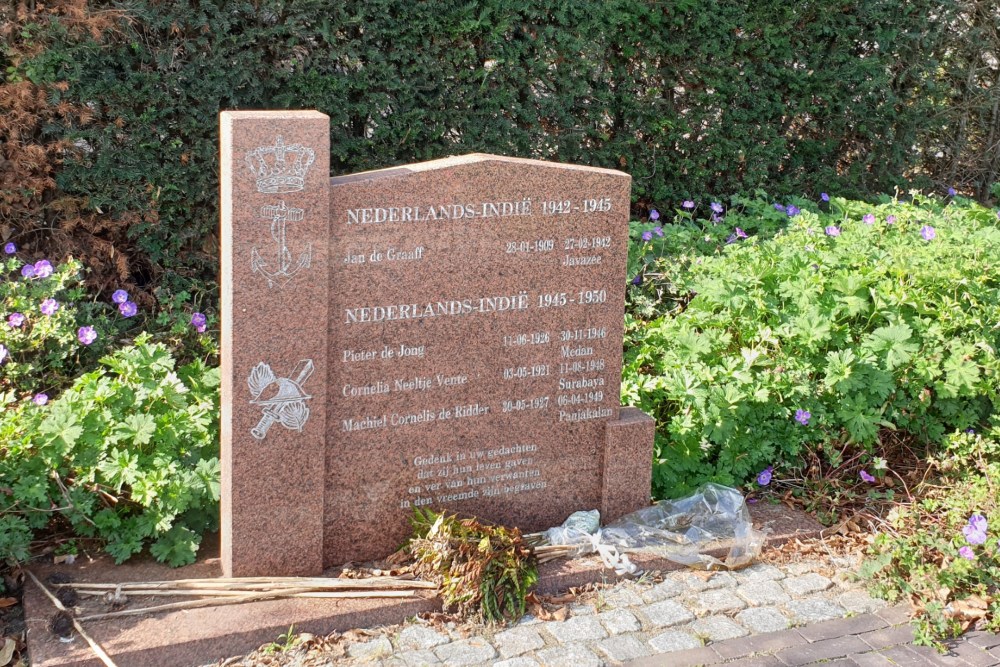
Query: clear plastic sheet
x: 683, y: 531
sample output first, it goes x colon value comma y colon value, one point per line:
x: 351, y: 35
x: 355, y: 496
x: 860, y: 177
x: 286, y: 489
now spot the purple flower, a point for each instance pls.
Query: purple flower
x: 891, y: 220
x: 731, y: 239
x: 647, y: 235
x: 128, y: 309
x: 3, y: 353
x: 865, y: 476
x: 654, y: 214
x: 10, y: 248
x: 764, y: 476
x: 40, y: 399
x: 43, y: 269
x: 49, y: 307
x: 975, y: 530
x: 951, y: 192
x: 792, y: 210
x: 779, y: 207
x: 28, y: 270
x: 688, y: 204
x: 966, y: 553
x: 717, y: 207
x: 740, y: 234
x: 199, y: 322
x: 832, y: 231
x: 824, y: 196
x: 927, y: 232
x: 869, y: 219
x: 120, y: 296
x: 86, y: 335
x: 15, y: 319
x: 658, y: 230
x: 637, y: 280
x: 803, y: 416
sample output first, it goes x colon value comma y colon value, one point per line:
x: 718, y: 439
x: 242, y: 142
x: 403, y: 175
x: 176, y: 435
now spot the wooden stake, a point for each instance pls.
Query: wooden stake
x: 94, y: 646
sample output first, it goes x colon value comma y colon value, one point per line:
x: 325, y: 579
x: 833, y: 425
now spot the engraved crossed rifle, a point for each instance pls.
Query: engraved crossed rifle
x: 280, y: 215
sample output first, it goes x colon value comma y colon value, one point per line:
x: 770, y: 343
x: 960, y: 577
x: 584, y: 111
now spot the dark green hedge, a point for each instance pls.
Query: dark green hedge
x: 691, y: 97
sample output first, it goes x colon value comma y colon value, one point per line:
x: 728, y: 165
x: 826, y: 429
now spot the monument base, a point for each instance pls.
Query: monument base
x: 200, y: 636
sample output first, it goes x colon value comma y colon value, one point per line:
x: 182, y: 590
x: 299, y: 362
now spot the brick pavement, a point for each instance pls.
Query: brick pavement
x: 807, y: 612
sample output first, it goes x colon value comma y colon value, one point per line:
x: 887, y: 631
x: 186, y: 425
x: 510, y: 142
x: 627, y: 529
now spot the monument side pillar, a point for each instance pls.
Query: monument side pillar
x: 274, y: 174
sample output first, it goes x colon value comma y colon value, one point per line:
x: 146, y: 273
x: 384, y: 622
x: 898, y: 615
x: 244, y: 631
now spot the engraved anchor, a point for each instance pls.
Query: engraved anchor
x: 280, y: 215
x: 285, y: 401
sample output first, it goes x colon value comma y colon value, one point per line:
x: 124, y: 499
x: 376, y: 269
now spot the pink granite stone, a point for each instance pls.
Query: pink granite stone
x: 475, y: 338
x: 275, y: 218
x: 445, y: 334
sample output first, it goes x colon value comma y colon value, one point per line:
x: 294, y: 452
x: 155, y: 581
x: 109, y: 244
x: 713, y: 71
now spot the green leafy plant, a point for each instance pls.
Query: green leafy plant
x: 776, y: 329
x: 127, y: 454
x: 942, y: 553
x: 484, y: 570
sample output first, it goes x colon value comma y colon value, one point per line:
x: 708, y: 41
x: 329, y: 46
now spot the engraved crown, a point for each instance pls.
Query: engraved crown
x: 281, y: 167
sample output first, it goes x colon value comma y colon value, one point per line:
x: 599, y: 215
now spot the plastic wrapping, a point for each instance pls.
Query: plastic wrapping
x: 715, y: 518
x: 712, y: 519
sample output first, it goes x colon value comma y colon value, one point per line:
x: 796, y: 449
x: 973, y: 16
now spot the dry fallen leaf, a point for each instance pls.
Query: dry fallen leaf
x: 7, y: 652
x: 7, y: 602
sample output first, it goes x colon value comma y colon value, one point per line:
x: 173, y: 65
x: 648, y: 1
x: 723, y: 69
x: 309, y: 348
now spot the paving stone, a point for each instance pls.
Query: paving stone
x: 889, y: 636
x: 700, y: 582
x: 974, y: 655
x: 623, y: 649
x: 759, y: 572
x: 465, y: 652
x: 813, y: 610
x: 762, y: 619
x: 619, y: 621
x: 420, y: 637
x: 715, y: 601
x: 985, y: 640
x: 667, y: 613
x: 517, y: 662
x: 823, y: 650
x: 392, y: 661
x: 806, y: 584
x: 759, y: 593
x: 932, y: 657
x: 839, y: 627
x: 518, y: 640
x: 895, y: 615
x: 579, y: 629
x: 570, y: 655
x: 692, y: 657
x: 860, y: 602
x: 798, y: 569
x: 371, y: 651
x: 528, y: 619
x: 622, y: 597
x: 905, y: 656
x: 871, y: 660
x: 769, y: 642
x: 674, y: 640
x: 666, y: 589
x: 420, y: 658
x: 717, y: 628
x: 578, y: 609
x: 757, y: 661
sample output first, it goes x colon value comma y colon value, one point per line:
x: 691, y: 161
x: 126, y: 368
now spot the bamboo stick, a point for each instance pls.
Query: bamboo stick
x: 262, y: 583
x: 194, y: 604
x: 278, y: 593
x: 94, y: 646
